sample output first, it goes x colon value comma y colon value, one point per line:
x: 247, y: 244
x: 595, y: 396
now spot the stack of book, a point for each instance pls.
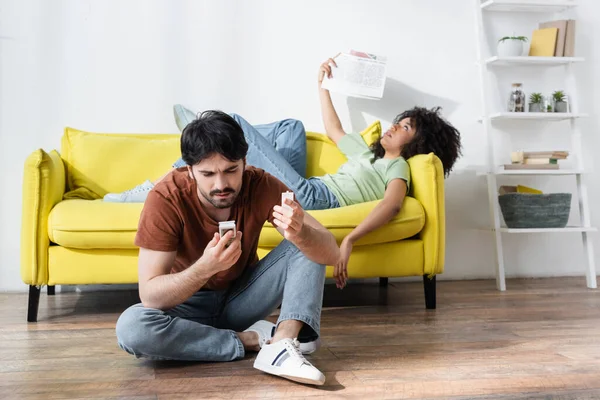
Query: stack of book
x: 536, y: 159
x: 554, y: 39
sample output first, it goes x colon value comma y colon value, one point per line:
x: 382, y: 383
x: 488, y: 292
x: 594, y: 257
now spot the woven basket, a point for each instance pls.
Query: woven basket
x: 525, y: 210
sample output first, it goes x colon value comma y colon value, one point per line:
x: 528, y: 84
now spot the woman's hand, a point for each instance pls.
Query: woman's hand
x: 340, y: 271
x: 325, y: 69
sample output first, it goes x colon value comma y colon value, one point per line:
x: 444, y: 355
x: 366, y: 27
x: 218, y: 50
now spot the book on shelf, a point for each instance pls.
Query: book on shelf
x: 559, y: 155
x: 561, y: 25
x: 565, y: 38
x: 543, y: 42
x: 530, y: 166
x: 570, y: 39
x: 540, y: 161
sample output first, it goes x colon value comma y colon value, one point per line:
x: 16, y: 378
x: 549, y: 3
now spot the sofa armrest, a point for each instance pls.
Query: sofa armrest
x: 43, y: 187
x: 427, y: 186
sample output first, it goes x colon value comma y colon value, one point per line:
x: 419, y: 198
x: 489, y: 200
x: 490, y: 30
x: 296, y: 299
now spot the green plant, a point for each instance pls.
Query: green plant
x: 521, y: 38
x: 549, y: 108
x: 558, y: 96
x: 536, y: 98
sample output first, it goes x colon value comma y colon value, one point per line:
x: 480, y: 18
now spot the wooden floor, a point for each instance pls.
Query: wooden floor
x: 540, y: 339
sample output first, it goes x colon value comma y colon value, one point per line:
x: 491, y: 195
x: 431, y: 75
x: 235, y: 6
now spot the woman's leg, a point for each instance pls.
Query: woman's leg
x: 312, y: 194
x: 288, y: 137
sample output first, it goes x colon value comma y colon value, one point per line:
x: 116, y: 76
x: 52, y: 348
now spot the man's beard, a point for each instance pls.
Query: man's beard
x: 220, y: 203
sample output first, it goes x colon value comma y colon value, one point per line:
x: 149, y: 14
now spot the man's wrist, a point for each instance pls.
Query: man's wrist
x: 201, y: 270
x: 304, y: 234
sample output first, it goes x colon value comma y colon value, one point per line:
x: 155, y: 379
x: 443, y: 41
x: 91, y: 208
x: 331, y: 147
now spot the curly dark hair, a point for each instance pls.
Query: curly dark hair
x: 433, y: 135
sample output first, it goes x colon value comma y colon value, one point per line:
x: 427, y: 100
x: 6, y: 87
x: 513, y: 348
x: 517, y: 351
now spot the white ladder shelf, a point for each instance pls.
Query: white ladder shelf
x: 487, y: 63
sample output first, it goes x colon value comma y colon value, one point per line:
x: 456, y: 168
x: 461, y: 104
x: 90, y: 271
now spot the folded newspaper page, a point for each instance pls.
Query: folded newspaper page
x: 358, y: 74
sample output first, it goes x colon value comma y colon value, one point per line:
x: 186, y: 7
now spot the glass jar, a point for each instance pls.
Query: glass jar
x: 516, y: 100
x: 548, y: 104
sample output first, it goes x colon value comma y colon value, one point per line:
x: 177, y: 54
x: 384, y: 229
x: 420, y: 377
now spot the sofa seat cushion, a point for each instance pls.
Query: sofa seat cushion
x: 95, y: 224
x: 341, y: 221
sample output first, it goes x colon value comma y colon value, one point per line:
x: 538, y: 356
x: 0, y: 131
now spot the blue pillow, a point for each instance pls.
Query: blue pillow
x: 183, y: 116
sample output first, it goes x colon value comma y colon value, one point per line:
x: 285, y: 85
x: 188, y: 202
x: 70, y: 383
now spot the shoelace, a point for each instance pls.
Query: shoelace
x: 293, y: 347
x: 136, y: 189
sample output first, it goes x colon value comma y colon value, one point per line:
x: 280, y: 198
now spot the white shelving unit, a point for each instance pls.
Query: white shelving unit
x: 541, y: 116
x: 538, y: 6
x: 492, y: 117
x: 496, y: 61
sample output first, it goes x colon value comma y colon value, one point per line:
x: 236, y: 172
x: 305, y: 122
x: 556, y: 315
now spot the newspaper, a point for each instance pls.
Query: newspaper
x: 358, y: 74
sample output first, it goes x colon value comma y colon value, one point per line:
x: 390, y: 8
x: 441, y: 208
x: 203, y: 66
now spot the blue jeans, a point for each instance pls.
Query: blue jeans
x: 280, y: 149
x: 204, y: 327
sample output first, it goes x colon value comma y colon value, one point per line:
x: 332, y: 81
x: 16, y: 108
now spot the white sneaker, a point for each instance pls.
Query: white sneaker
x: 136, y: 195
x: 310, y: 347
x: 265, y: 331
x: 284, y: 359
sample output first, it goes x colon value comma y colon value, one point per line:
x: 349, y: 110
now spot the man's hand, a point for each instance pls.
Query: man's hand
x: 290, y: 219
x: 218, y: 256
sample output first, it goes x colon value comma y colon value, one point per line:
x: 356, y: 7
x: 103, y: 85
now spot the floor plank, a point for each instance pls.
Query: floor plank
x: 540, y: 339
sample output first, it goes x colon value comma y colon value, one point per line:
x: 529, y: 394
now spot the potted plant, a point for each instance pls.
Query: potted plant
x: 560, y: 105
x: 511, y: 46
x: 536, y: 102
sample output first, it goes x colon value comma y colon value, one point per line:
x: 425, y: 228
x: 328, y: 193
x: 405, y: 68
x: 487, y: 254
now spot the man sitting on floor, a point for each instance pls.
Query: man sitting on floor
x: 204, y: 296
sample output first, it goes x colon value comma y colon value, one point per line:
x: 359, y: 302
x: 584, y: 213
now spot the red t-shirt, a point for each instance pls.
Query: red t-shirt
x: 173, y: 219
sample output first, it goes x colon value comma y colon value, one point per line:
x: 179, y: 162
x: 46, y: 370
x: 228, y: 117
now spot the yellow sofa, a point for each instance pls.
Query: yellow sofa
x: 70, y: 236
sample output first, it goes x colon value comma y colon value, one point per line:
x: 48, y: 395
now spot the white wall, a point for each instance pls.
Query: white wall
x: 119, y: 66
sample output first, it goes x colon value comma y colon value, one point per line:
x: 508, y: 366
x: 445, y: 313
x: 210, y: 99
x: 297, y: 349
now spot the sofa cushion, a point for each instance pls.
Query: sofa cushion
x: 323, y: 156
x: 341, y: 221
x: 99, y: 163
x: 95, y: 224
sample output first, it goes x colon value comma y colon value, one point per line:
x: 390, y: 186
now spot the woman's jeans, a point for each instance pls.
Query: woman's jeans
x: 280, y: 149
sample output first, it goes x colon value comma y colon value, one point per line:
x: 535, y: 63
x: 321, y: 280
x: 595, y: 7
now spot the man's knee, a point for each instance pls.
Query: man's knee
x: 297, y: 257
x: 133, y: 328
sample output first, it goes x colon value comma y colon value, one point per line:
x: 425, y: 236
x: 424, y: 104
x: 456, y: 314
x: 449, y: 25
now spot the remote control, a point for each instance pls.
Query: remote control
x: 225, y: 227
x: 287, y: 195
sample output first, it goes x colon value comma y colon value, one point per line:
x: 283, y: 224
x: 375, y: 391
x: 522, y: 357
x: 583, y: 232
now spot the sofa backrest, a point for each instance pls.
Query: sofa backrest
x: 100, y: 163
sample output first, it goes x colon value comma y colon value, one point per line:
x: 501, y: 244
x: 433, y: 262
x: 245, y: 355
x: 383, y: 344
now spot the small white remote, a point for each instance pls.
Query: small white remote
x: 287, y: 195
x: 225, y: 227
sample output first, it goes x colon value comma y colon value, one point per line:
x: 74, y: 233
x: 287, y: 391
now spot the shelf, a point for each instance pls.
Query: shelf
x: 529, y: 61
x: 568, y: 229
x: 540, y: 116
x: 548, y: 6
x: 502, y: 171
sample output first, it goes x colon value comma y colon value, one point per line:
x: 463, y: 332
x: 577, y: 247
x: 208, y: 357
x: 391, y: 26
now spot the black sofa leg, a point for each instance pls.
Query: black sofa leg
x: 429, y: 286
x: 51, y: 291
x: 34, y: 302
x: 383, y: 282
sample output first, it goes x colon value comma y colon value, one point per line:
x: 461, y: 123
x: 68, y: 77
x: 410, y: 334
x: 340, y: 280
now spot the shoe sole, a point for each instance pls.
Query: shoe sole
x: 273, y: 371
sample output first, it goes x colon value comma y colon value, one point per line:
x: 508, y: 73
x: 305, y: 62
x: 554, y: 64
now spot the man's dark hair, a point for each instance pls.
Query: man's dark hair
x: 433, y: 134
x: 213, y: 132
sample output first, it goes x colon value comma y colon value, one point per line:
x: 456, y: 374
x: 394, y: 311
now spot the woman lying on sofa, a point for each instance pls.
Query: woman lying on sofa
x: 379, y: 172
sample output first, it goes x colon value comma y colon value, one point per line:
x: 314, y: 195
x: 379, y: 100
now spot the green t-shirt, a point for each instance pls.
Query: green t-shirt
x: 359, y: 180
